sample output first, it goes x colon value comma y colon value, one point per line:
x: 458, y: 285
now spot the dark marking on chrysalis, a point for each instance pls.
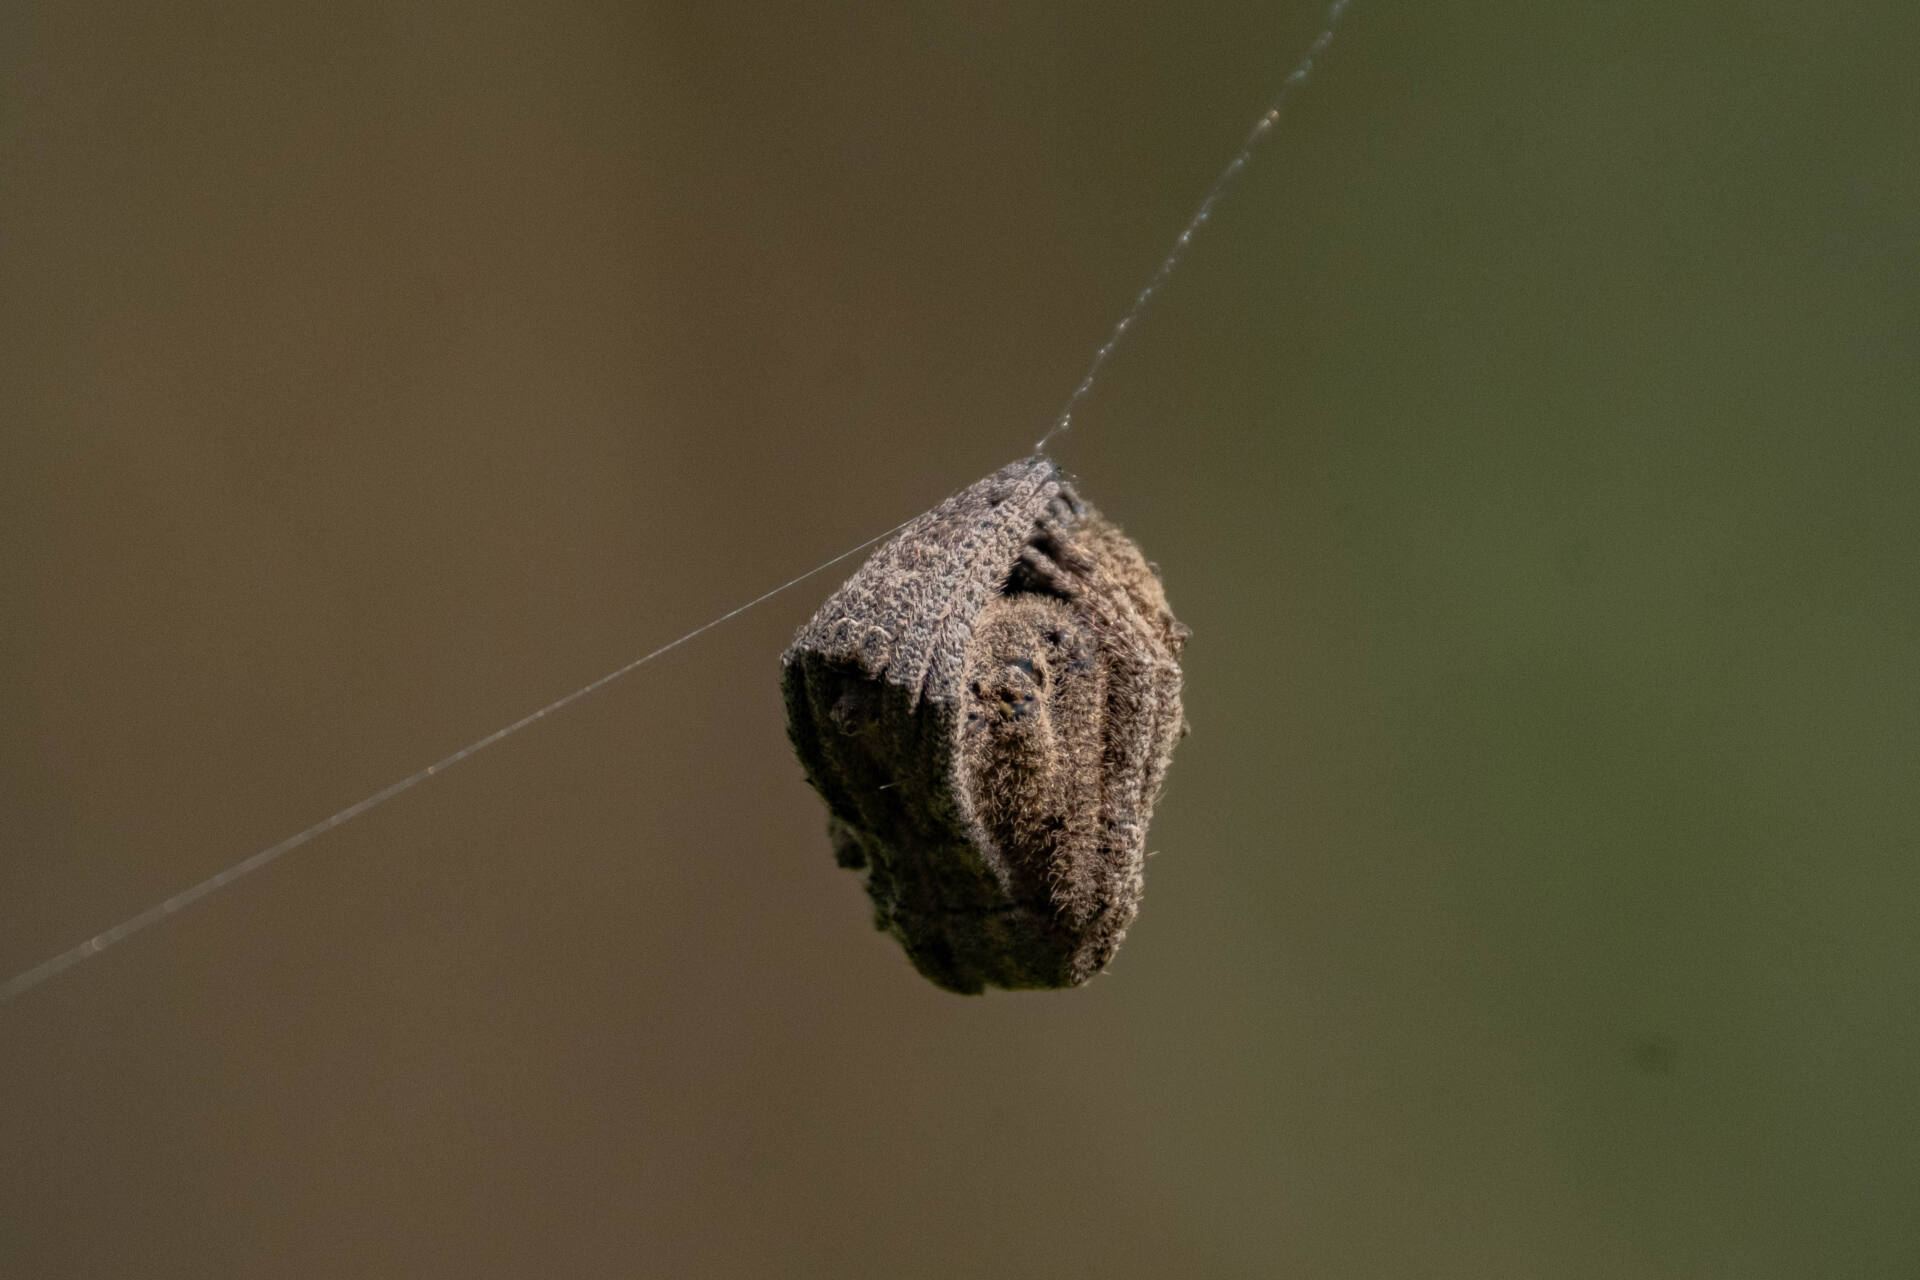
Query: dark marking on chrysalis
x: 988, y: 708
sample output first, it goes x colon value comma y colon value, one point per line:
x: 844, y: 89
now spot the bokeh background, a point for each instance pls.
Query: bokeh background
x: 1530, y: 442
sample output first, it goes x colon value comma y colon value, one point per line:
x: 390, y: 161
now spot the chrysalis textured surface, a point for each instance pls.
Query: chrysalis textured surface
x: 988, y: 708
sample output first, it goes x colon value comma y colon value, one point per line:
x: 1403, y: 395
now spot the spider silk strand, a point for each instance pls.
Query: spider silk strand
x: 1261, y: 128
x: 26, y: 981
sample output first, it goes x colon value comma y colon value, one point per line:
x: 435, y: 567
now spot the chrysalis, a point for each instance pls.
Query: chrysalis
x: 988, y: 708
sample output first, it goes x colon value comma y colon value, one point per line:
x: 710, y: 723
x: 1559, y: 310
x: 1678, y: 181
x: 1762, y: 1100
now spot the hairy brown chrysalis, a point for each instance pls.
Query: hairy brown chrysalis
x: 988, y: 708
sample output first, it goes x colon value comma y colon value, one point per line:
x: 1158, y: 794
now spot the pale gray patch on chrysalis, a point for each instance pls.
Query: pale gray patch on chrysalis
x: 988, y: 708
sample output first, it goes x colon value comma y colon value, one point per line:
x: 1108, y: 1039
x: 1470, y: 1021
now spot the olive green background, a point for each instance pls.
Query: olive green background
x: 1530, y: 442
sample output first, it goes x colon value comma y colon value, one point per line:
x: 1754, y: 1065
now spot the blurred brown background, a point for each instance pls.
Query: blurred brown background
x: 1531, y: 443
